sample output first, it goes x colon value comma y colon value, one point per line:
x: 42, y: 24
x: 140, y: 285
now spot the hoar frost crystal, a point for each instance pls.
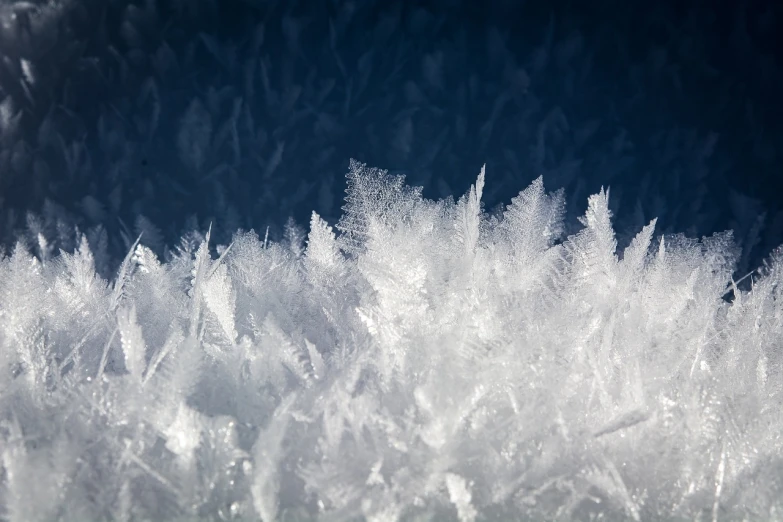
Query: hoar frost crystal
x: 426, y: 360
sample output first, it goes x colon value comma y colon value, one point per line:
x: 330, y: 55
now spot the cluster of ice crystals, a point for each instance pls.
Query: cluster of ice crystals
x: 419, y: 360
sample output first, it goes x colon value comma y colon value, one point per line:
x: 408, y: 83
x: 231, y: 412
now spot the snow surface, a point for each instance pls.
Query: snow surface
x: 425, y: 360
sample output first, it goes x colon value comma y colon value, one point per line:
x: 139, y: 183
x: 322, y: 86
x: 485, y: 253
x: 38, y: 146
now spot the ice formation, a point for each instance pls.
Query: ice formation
x: 425, y: 360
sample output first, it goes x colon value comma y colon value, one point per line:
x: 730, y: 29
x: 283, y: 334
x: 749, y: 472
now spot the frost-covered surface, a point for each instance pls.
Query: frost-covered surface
x: 426, y: 359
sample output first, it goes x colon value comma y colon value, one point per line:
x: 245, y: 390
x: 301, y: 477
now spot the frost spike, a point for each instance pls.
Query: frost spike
x: 468, y: 227
x: 122, y: 275
x: 200, y: 268
x: 133, y: 346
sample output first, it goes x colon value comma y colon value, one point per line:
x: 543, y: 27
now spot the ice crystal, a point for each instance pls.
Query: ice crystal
x: 430, y: 360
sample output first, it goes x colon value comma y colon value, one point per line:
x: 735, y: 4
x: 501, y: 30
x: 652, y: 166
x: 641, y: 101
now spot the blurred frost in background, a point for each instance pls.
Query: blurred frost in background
x: 157, y: 116
x: 556, y: 355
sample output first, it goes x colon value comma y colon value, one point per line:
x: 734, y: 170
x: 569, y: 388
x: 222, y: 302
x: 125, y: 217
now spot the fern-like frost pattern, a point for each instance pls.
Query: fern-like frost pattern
x: 419, y: 360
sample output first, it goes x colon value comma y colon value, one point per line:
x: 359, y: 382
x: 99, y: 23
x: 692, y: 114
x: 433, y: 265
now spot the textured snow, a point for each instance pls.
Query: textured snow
x: 429, y: 360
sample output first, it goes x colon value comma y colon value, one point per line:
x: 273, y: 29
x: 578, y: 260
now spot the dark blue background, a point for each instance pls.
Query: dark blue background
x: 675, y: 105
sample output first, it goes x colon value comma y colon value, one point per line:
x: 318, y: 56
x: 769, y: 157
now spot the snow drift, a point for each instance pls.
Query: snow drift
x: 425, y: 360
